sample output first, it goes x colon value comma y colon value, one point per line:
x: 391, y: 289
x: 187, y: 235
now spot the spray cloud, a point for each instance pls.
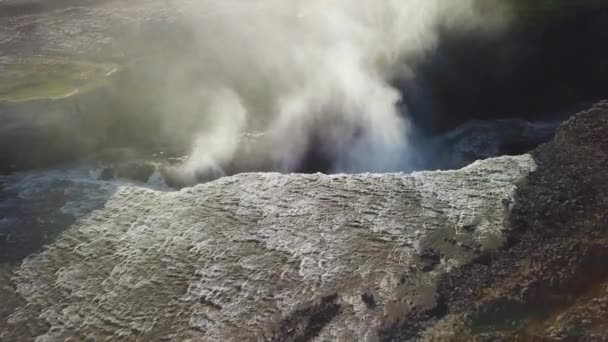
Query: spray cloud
x: 313, y: 75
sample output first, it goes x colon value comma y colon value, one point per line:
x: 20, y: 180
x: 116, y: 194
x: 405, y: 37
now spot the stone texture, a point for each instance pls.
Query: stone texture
x: 550, y: 282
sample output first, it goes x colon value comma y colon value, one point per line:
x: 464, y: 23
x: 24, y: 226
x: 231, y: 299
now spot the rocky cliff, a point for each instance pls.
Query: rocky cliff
x: 549, y: 283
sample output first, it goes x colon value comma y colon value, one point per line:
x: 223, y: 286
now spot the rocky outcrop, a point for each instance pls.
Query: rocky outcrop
x: 551, y: 60
x: 551, y: 282
x: 478, y: 139
x: 265, y: 256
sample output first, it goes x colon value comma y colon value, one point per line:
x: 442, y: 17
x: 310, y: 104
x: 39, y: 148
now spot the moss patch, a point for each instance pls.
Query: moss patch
x: 34, y: 78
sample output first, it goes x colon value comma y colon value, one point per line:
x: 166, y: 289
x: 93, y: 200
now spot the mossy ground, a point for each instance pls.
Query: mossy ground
x: 39, y: 77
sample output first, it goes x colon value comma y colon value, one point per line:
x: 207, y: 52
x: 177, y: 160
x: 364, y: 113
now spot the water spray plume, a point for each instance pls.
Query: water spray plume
x: 314, y: 76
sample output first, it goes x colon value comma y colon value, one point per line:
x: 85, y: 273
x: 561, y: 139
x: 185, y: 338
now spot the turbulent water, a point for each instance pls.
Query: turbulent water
x: 34, y: 205
x: 255, y: 254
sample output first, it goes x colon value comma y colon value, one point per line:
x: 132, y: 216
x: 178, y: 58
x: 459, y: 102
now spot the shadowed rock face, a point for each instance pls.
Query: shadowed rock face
x: 280, y: 257
x: 551, y: 282
x: 547, y: 63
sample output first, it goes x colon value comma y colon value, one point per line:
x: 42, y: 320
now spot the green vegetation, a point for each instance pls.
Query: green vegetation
x: 34, y: 78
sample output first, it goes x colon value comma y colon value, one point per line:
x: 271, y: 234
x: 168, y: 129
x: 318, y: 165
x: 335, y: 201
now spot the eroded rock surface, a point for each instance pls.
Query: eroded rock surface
x: 265, y: 256
x: 551, y: 283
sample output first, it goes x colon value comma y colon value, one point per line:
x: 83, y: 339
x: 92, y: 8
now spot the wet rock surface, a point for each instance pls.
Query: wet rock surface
x: 550, y: 281
x: 482, y: 139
